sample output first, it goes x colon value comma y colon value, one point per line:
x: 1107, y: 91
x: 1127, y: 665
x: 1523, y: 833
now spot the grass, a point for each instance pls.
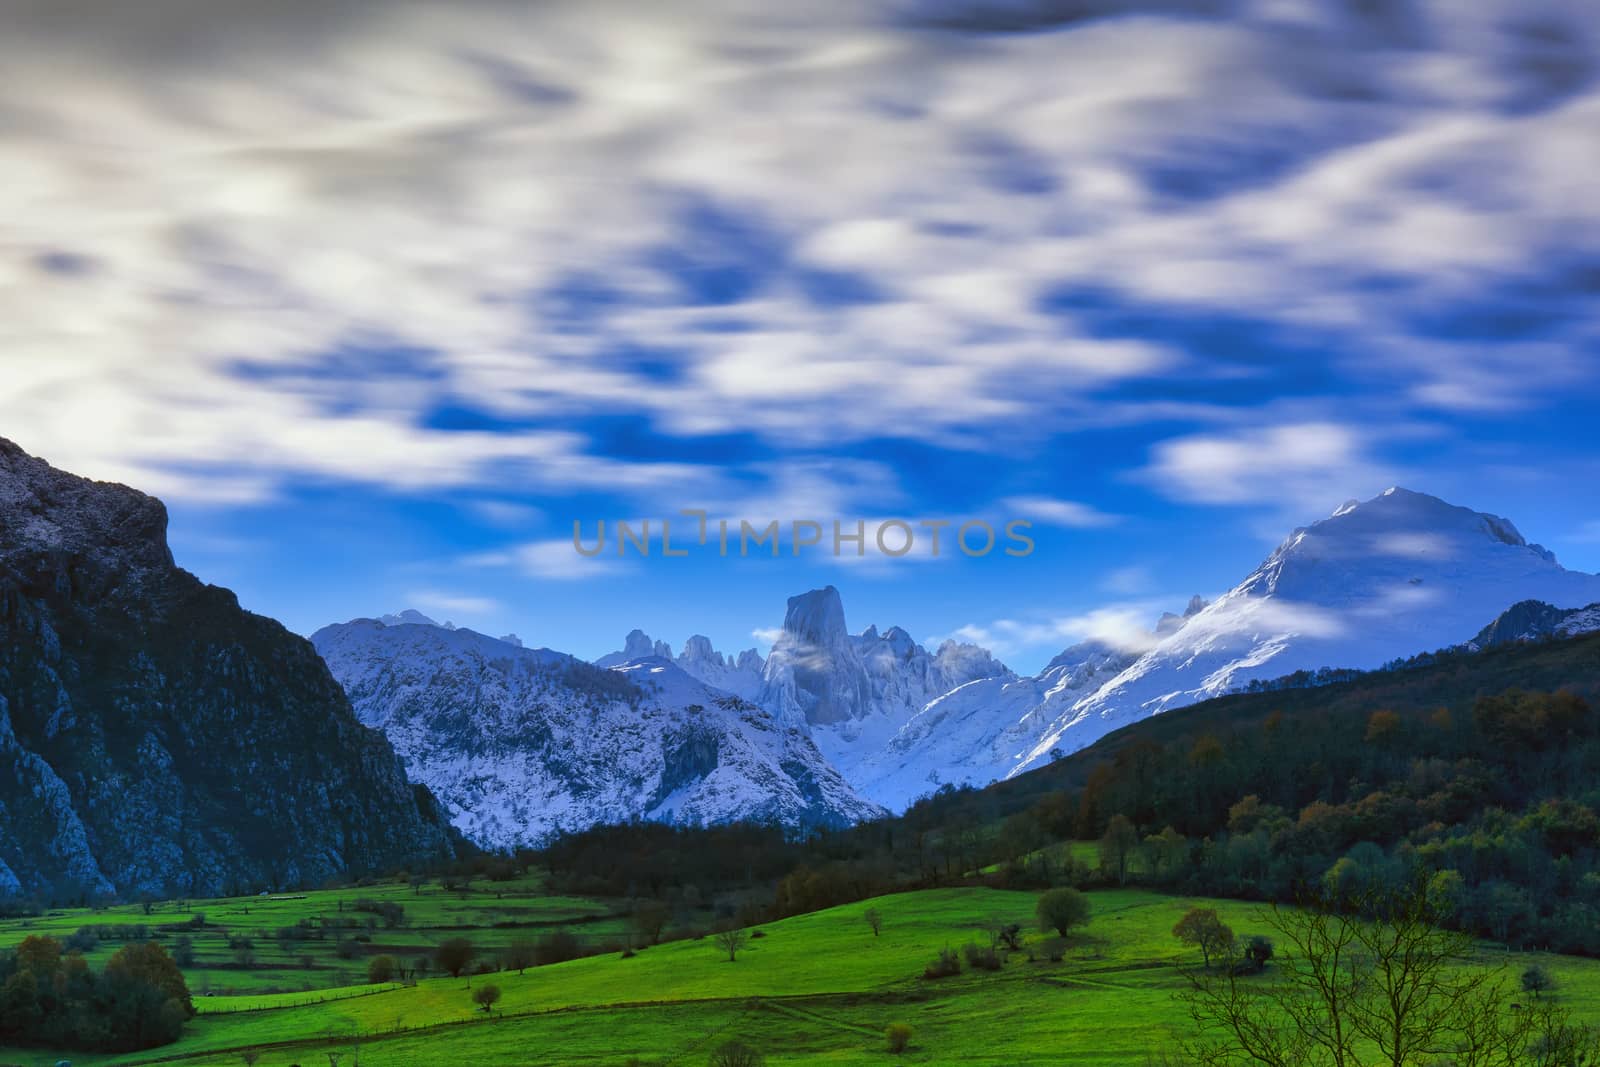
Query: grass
x: 815, y: 989
x: 492, y: 913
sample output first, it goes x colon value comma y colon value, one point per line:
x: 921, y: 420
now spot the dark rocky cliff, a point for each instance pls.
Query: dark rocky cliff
x: 154, y: 736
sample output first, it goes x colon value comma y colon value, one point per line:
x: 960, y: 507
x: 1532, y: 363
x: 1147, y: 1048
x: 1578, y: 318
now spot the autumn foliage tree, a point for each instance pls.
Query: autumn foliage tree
x: 1202, y: 928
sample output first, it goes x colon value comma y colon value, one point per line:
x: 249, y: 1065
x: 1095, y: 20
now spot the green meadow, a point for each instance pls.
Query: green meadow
x: 814, y: 989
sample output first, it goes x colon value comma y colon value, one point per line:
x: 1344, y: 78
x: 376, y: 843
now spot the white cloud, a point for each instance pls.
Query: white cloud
x: 1055, y: 512
x: 454, y: 604
x: 1298, y: 464
x: 1128, y: 581
x: 303, y: 188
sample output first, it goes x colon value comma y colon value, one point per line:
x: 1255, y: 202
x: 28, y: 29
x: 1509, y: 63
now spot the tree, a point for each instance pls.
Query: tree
x: 1537, y: 980
x: 1117, y: 846
x: 898, y: 1036
x: 1165, y: 853
x: 1201, y: 927
x: 486, y: 997
x: 650, y: 918
x: 519, y: 955
x: 736, y: 1054
x: 455, y: 955
x: 1062, y: 909
x: 1257, y: 951
x: 874, y: 919
x: 731, y: 941
x: 380, y: 969
x: 1395, y: 990
x: 250, y: 1057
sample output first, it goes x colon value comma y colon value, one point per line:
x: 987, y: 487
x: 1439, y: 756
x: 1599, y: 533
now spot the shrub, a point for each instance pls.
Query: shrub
x: 898, y: 1036
x: 380, y: 969
x: 982, y: 957
x: 1257, y: 951
x: 946, y: 965
x: 736, y: 1054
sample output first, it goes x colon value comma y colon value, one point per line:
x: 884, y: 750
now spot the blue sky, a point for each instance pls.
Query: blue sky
x: 380, y: 298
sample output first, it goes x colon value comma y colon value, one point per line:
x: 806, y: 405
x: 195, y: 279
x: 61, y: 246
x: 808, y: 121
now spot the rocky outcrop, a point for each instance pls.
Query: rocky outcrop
x: 154, y: 736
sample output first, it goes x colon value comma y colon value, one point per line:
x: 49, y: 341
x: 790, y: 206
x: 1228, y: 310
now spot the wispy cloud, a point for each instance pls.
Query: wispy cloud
x: 1055, y: 512
x: 1303, y: 465
x: 293, y: 249
x: 456, y: 605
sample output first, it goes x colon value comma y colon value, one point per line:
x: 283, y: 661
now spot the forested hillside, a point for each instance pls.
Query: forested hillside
x: 1481, y: 771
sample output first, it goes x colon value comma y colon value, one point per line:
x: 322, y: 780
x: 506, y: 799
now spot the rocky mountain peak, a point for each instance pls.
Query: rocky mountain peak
x: 85, y: 538
x: 816, y: 617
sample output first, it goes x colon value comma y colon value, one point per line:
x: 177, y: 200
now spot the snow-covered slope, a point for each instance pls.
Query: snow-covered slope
x: 519, y: 743
x: 737, y: 674
x: 978, y: 731
x: 855, y: 692
x: 1399, y: 574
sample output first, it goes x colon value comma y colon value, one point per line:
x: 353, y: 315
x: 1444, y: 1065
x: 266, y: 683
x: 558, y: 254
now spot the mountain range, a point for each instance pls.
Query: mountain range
x: 522, y: 743
x: 158, y: 738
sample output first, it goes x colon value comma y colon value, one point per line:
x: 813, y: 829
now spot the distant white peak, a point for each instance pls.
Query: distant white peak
x: 1171, y: 624
x: 698, y: 649
x: 512, y: 639
x: 637, y: 645
x: 413, y: 617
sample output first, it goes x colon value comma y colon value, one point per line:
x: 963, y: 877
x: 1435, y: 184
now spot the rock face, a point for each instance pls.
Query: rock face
x: 1532, y: 620
x: 856, y: 692
x: 739, y: 675
x: 521, y: 743
x: 154, y: 736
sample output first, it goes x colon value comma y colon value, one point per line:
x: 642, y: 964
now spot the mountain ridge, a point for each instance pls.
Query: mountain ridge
x: 122, y: 680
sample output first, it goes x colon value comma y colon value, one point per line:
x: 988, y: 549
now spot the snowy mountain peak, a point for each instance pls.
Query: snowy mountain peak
x: 1171, y: 624
x: 520, y: 743
x: 413, y: 617
x: 1402, y: 573
x: 739, y: 675
x: 637, y: 645
x: 698, y: 650
x: 816, y: 617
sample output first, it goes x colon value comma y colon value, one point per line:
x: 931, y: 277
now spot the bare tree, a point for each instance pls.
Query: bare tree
x: 874, y: 919
x: 731, y: 941
x: 1397, y: 984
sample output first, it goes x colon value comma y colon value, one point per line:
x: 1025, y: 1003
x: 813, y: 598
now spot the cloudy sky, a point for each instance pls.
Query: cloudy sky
x: 380, y: 297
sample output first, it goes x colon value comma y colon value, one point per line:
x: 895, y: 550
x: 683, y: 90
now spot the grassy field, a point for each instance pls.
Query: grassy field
x: 817, y: 989
x: 492, y: 913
